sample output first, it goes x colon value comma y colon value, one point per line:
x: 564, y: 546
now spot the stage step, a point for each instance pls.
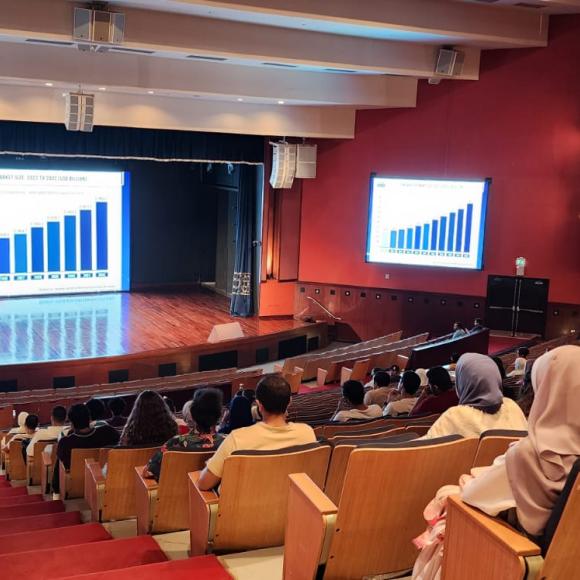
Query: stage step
x: 34, y: 509
x: 25, y: 524
x: 100, y: 556
x: 53, y: 538
x: 20, y: 500
x: 200, y: 568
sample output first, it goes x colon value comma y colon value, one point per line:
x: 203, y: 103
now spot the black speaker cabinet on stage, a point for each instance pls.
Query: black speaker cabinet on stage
x: 517, y: 304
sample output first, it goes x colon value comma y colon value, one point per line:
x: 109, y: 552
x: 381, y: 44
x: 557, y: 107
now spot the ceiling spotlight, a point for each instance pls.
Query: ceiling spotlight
x: 48, y: 84
x: 240, y: 99
x: 281, y: 102
x: 102, y: 88
x: 150, y: 92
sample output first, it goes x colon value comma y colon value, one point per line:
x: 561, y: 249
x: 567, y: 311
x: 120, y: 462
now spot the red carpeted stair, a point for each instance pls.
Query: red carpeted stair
x: 53, y: 538
x: 34, y: 509
x: 20, y: 500
x: 43, y: 522
x: 12, y: 491
x: 200, y: 568
x: 82, y: 559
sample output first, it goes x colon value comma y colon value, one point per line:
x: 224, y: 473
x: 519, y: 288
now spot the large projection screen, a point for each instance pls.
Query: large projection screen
x: 427, y: 222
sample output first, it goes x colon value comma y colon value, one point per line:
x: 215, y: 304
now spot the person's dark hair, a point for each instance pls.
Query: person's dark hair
x: 206, y: 409
x: 58, y: 414
x: 382, y: 379
x: 478, y: 322
x: 117, y: 406
x: 354, y: 392
x: 240, y: 415
x: 150, y: 422
x: 169, y: 402
x: 439, y: 377
x: 410, y: 382
x: 31, y: 422
x: 459, y: 325
x: 96, y: 409
x: 273, y: 391
x: 395, y: 369
x: 500, y: 366
x: 250, y: 394
x: 454, y: 357
x: 376, y: 370
x: 79, y: 416
x: 523, y: 351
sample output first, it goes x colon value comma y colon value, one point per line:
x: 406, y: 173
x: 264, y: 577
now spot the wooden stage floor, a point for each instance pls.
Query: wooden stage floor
x: 103, y: 325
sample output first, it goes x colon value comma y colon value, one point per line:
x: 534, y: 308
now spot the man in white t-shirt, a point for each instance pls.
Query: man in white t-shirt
x: 51, y: 433
x: 408, y: 387
x: 354, y: 393
x: 273, y: 432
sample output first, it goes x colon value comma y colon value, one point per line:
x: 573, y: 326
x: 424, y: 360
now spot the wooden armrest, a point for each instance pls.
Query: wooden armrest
x: 146, y: 491
x: 278, y: 368
x: 95, y: 470
x: 209, y: 497
x: 499, y: 531
x: 302, y: 483
x: 298, y: 370
x: 321, y: 375
x: 148, y: 482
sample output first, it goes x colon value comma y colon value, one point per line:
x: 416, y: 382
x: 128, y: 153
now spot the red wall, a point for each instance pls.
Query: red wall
x: 519, y: 124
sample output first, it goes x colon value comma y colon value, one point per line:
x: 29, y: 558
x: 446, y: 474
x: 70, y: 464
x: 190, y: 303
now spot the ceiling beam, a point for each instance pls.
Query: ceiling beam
x: 138, y: 74
x: 182, y: 35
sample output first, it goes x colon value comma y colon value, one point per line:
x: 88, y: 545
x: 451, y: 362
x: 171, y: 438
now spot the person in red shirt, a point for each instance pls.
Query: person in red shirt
x: 438, y: 396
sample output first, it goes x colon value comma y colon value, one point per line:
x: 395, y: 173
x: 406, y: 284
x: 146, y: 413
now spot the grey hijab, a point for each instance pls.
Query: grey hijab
x: 478, y: 383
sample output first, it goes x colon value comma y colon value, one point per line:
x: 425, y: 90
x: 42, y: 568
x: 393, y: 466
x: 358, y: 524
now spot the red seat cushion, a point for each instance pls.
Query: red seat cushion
x: 34, y: 509
x: 200, y: 568
x: 28, y: 523
x: 51, y: 538
x: 57, y: 562
x: 20, y: 500
x: 12, y: 491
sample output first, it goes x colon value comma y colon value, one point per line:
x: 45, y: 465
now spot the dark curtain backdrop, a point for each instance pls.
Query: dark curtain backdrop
x: 122, y: 142
x: 242, y: 303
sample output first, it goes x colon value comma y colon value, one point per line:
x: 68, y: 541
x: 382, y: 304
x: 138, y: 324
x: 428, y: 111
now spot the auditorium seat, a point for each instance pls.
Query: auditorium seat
x: 34, y: 464
x: 160, y: 506
x: 33, y: 509
x: 79, y: 559
x: 48, y: 459
x: 250, y: 511
x: 380, y: 511
x: 111, y: 495
x: 42, y: 522
x: 15, y: 466
x: 479, y: 547
x: 43, y: 539
x: 358, y: 372
x: 493, y: 443
x: 200, y: 568
x: 72, y: 481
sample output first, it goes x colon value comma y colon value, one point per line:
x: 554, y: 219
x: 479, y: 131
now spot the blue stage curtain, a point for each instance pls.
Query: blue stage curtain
x: 242, y: 302
x: 128, y: 143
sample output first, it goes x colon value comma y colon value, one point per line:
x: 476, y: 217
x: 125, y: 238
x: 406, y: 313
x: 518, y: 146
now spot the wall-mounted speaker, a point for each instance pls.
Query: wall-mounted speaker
x: 306, y: 161
x: 98, y: 26
x: 283, y: 165
x: 79, y: 113
x: 449, y: 62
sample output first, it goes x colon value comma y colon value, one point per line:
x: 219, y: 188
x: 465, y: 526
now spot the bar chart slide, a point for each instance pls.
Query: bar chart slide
x: 427, y: 222
x: 63, y: 232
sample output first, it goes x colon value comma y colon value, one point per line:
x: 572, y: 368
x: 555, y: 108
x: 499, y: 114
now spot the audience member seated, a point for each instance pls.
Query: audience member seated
x: 20, y: 420
x: 149, y: 423
x: 238, y: 415
x: 408, y: 387
x: 481, y: 403
x: 50, y: 433
x: 30, y: 427
x: 380, y: 389
x: 354, y: 393
x: 98, y: 412
x: 459, y: 330
x: 424, y: 380
x: 500, y: 367
x: 274, y: 432
x: 439, y: 394
x: 83, y: 436
x: 117, y: 407
x: 526, y: 396
x: 525, y: 483
x: 205, y: 411
x: 250, y: 394
x: 520, y: 362
x: 477, y: 326
x: 374, y: 372
x: 452, y: 362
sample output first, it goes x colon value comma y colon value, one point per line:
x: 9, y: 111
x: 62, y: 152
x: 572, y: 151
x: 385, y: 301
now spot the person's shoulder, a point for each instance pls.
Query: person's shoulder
x: 303, y: 427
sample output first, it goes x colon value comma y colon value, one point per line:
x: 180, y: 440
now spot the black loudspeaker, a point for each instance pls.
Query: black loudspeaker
x: 517, y: 304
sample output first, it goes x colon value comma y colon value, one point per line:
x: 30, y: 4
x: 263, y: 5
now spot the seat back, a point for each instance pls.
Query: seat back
x: 16, y: 467
x: 6, y: 417
x: 119, y: 497
x: 385, y: 491
x: 294, y: 379
x: 172, y: 494
x: 35, y: 464
x: 74, y: 483
x: 254, y: 494
x: 343, y: 429
x: 494, y: 443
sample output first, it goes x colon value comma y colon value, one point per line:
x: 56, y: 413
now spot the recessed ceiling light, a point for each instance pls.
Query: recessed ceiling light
x: 48, y: 84
x: 150, y: 92
x: 240, y: 99
x: 102, y: 88
x: 281, y: 102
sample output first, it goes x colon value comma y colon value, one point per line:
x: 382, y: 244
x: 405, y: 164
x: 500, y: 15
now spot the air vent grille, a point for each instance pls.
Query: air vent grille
x: 49, y: 42
x: 339, y: 70
x: 131, y: 50
x: 212, y: 58
x: 280, y: 64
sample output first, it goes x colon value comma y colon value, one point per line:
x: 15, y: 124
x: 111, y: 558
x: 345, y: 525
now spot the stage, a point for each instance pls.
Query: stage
x: 58, y: 336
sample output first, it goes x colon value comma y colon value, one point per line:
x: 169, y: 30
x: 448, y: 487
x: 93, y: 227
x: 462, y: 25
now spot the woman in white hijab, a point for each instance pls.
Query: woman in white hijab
x: 21, y: 420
